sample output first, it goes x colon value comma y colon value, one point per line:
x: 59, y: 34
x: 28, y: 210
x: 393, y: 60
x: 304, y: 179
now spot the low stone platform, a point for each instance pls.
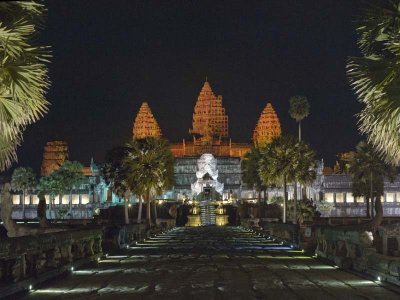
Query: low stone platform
x: 211, y: 263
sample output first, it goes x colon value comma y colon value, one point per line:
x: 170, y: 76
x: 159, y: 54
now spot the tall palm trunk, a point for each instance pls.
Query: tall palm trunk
x: 155, y: 212
x: 299, y: 131
x: 379, y: 211
x: 295, y: 204
x: 259, y: 204
x: 139, y: 217
x: 126, y: 210
x: 368, y: 208
x: 52, y: 206
x: 70, y: 204
x: 373, y: 207
x: 148, y: 211
x: 263, y: 203
x: 41, y: 210
x: 295, y: 187
x: 371, y: 192
x: 60, y: 202
x: 23, y: 204
x: 285, y: 199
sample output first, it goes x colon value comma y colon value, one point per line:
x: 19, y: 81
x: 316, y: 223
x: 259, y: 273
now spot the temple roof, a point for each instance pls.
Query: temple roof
x: 209, y: 118
x: 206, y: 88
x: 268, y: 127
x: 145, y: 124
x: 54, y: 155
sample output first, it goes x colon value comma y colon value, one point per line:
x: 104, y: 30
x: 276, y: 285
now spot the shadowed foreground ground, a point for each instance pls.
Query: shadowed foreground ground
x: 211, y: 263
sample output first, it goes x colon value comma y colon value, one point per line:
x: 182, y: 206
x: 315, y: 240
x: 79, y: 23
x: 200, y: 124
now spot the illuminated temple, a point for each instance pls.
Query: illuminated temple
x: 145, y: 124
x: 209, y: 130
x: 268, y: 127
x: 54, y: 155
x: 209, y: 147
x: 206, y: 162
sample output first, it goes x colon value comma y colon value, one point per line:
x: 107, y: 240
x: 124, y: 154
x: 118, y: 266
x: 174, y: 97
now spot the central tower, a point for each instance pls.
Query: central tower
x: 210, y: 121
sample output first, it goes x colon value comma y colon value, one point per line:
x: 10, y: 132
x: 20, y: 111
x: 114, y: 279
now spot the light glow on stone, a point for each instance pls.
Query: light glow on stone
x: 62, y: 291
x: 116, y: 256
x: 84, y: 272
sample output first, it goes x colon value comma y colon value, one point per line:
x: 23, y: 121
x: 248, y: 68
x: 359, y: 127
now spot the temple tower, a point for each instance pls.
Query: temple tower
x: 145, y: 124
x: 209, y: 118
x: 267, y: 128
x: 54, y: 155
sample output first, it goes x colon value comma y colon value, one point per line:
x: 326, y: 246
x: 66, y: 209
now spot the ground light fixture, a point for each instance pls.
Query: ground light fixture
x: 30, y: 287
x: 379, y: 278
x: 72, y: 268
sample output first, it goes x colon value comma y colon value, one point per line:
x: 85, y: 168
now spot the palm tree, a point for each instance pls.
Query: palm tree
x: 299, y: 109
x: 250, y: 174
x: 368, y: 173
x: 71, y: 174
x: 285, y: 161
x: 276, y: 165
x: 62, y: 181
x: 375, y: 77
x: 23, y: 179
x: 304, y: 170
x: 115, y: 174
x: 150, y: 169
x: 23, y: 74
x: 51, y: 185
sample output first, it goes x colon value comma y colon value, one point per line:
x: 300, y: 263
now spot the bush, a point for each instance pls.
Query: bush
x: 306, y: 211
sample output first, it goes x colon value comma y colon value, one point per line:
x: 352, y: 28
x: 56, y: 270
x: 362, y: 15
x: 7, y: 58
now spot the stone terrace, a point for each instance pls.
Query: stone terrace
x: 211, y: 263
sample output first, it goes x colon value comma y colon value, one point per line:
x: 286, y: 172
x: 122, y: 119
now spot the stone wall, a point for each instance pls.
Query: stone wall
x: 229, y: 173
x: 29, y: 260
x: 355, y: 250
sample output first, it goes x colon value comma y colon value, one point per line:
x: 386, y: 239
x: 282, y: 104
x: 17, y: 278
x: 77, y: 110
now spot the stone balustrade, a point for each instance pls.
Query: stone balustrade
x: 390, y: 233
x: 351, y: 249
x: 288, y: 233
x: 120, y: 236
x: 28, y: 260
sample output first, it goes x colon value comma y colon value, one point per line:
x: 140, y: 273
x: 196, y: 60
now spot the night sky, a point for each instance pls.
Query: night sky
x: 109, y: 56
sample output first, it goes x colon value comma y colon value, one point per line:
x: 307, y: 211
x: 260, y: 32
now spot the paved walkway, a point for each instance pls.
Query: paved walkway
x: 211, y: 263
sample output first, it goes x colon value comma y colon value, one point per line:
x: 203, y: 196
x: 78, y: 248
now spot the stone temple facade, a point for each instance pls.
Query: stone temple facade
x: 209, y: 136
x: 185, y: 169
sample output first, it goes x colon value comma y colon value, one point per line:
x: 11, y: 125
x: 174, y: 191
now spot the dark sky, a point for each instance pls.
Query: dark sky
x: 109, y: 56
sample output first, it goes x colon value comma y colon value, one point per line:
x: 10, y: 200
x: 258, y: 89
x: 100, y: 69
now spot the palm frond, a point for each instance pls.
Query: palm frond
x: 8, y: 151
x: 375, y: 77
x: 23, y: 73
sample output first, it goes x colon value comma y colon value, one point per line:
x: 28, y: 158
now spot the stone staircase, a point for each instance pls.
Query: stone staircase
x: 207, y: 213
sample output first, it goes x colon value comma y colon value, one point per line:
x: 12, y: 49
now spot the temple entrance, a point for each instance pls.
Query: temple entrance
x: 207, y: 190
x: 207, y: 206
